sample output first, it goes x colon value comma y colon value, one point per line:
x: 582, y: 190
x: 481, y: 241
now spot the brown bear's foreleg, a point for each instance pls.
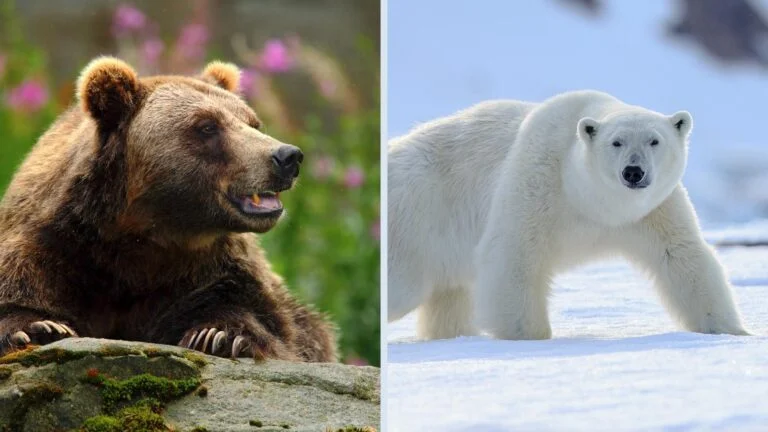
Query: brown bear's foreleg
x: 21, y: 326
x: 228, y: 319
x: 315, y: 335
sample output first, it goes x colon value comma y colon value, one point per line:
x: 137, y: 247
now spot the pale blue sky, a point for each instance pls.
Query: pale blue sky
x: 445, y: 55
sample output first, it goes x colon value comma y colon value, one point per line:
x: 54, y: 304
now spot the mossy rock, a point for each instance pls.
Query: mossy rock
x: 102, y: 386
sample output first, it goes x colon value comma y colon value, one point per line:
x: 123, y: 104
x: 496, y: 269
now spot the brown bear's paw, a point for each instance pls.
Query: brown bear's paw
x: 234, y: 343
x: 215, y: 342
x: 37, y: 333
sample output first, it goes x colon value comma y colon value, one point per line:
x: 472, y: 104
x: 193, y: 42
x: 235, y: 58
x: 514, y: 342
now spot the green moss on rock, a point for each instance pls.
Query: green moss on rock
x: 102, y: 423
x: 156, y: 352
x: 162, y: 389
x: 31, y: 356
x: 144, y: 416
x: 195, y: 358
x: 365, y: 389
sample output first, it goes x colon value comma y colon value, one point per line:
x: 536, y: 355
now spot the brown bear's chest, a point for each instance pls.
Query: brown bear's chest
x: 119, y: 309
x: 118, y: 293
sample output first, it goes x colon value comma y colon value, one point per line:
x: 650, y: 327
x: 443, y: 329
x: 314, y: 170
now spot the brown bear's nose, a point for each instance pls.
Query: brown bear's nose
x: 286, y: 160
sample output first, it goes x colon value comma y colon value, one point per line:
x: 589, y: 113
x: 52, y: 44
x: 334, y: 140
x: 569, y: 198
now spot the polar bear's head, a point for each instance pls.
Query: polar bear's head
x: 635, y: 156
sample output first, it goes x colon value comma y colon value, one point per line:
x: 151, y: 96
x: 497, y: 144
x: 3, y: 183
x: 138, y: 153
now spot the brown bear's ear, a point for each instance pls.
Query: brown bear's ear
x: 109, y: 90
x: 224, y: 75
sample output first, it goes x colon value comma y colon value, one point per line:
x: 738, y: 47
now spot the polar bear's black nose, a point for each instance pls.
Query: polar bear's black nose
x: 633, y: 174
x: 286, y: 160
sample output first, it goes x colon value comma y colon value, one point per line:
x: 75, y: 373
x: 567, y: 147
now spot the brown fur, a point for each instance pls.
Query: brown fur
x: 119, y: 222
x: 224, y: 75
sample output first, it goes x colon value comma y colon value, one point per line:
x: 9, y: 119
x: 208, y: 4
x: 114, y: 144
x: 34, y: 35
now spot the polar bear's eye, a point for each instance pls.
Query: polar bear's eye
x: 655, y: 142
x: 616, y: 144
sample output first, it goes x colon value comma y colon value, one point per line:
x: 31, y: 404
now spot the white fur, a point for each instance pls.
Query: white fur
x: 537, y: 192
x: 441, y: 179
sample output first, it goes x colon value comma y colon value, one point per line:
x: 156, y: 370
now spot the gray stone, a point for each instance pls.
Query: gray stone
x: 45, y: 389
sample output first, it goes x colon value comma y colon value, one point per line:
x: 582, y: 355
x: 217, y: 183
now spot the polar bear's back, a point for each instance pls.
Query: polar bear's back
x: 441, y: 178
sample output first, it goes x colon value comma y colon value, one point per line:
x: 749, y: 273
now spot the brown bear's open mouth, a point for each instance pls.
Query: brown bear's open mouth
x: 260, y: 204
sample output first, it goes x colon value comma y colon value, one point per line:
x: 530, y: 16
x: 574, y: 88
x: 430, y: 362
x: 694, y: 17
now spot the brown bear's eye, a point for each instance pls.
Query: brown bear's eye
x: 208, y: 128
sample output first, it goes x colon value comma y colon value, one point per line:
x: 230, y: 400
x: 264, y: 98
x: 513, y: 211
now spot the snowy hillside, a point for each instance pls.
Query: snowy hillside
x: 616, y: 362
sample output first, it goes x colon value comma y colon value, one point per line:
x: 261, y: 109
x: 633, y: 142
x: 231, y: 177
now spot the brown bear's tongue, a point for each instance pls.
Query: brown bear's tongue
x: 256, y: 203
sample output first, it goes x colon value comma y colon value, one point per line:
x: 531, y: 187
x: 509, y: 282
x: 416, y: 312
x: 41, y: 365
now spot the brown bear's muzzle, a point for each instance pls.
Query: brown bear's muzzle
x: 264, y: 201
x: 286, y: 161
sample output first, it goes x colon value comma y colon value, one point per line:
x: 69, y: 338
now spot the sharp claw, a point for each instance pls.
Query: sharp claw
x: 191, y: 340
x: 68, y: 329
x: 40, y: 326
x: 199, y: 338
x: 20, y: 338
x: 237, y: 345
x: 218, y: 341
x: 59, y: 329
x: 208, y: 337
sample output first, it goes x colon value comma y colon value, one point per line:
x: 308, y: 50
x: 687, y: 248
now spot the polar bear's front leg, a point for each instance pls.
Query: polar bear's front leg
x: 512, y: 289
x: 687, y: 274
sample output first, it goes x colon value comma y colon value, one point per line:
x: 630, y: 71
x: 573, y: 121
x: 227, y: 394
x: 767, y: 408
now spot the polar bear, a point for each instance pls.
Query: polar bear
x: 578, y: 177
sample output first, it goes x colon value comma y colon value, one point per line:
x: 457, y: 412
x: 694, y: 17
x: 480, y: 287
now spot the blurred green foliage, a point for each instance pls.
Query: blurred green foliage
x: 327, y: 245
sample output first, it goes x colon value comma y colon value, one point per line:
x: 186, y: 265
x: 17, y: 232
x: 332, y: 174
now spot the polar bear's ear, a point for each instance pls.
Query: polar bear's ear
x: 682, y: 122
x: 587, y: 129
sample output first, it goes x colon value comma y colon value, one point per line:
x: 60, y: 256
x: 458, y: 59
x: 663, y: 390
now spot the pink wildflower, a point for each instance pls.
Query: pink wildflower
x: 356, y: 361
x: 192, y: 41
x: 127, y: 19
x: 354, y: 178
x: 248, y: 78
x: 328, y: 88
x: 151, y: 50
x: 29, y: 96
x: 275, y: 57
x: 322, y: 167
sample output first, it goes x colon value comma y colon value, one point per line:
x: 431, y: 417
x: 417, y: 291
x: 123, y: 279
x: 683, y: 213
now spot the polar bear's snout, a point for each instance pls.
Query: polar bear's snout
x: 634, y: 177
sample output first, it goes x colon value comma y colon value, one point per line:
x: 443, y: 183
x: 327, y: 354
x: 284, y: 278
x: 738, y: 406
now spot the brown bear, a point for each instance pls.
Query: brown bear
x: 133, y: 218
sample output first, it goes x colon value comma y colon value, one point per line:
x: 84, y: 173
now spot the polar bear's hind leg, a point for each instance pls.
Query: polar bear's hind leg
x: 446, y: 314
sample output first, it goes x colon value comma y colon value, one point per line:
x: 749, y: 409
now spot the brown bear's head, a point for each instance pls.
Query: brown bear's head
x: 196, y: 162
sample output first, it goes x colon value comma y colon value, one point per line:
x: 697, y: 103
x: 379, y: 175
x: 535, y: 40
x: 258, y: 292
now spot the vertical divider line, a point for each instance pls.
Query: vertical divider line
x: 383, y: 211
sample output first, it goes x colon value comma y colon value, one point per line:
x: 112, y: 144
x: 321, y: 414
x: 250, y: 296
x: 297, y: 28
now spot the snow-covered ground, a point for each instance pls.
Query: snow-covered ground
x: 616, y: 362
